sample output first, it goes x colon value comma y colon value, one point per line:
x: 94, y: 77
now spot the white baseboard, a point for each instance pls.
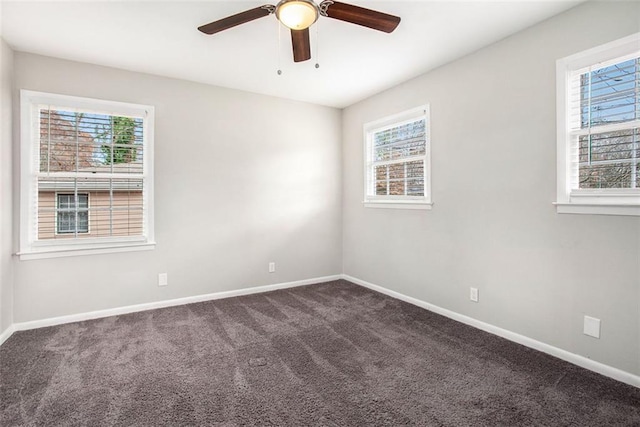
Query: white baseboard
x: 6, y: 334
x: 606, y: 370
x: 158, y: 304
x: 592, y: 365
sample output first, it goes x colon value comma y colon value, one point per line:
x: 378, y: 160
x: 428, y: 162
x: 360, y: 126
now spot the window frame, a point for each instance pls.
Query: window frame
x: 397, y: 202
x: 607, y: 201
x: 30, y: 246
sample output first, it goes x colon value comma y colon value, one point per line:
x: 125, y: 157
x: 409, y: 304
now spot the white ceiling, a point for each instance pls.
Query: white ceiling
x: 160, y: 37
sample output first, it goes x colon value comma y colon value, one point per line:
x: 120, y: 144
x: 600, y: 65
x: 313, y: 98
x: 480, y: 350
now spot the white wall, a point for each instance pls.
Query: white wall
x: 240, y: 180
x: 6, y: 193
x: 493, y: 225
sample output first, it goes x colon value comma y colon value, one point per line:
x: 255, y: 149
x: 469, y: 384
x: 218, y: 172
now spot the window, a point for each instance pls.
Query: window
x: 87, y: 181
x: 397, y: 166
x: 599, y: 130
x: 72, y: 213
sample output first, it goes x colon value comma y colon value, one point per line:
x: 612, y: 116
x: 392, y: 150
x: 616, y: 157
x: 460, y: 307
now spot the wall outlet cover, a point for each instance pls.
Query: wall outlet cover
x: 473, y: 294
x: 591, y: 326
x: 163, y: 279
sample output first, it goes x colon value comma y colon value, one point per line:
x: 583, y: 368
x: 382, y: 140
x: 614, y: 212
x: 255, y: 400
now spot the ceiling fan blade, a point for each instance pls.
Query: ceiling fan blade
x: 237, y: 19
x: 301, y: 45
x: 361, y: 16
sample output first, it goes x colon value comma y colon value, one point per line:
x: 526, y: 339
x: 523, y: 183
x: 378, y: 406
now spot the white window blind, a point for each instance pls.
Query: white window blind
x: 604, y: 124
x: 397, y: 158
x: 89, y: 182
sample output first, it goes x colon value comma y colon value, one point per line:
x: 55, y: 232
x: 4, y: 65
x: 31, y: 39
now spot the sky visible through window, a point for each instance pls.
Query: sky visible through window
x: 610, y: 158
x: 610, y: 94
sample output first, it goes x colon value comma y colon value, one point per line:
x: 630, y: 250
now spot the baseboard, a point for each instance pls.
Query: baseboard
x: 158, y: 304
x: 592, y: 365
x: 6, y: 334
x: 606, y: 370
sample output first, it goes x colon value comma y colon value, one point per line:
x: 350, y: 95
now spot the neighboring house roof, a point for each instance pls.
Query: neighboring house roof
x: 123, y: 168
x: 128, y: 179
x: 84, y: 186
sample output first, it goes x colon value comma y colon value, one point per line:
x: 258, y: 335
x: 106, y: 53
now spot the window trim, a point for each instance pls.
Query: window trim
x: 588, y: 201
x: 30, y: 247
x: 399, y: 202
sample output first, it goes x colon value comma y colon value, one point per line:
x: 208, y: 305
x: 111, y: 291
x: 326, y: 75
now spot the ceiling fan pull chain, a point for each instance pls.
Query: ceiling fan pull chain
x: 317, y: 45
x: 279, y: 45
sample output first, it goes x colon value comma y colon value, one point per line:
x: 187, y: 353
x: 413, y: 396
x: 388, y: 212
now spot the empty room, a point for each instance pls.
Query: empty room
x: 320, y: 213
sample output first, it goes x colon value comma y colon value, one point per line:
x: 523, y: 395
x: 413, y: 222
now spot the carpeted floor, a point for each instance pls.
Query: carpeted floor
x: 332, y: 354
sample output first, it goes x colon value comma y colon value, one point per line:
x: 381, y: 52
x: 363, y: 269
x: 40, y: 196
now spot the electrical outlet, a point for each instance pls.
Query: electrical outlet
x: 163, y: 279
x: 272, y: 267
x: 591, y: 326
x: 473, y: 294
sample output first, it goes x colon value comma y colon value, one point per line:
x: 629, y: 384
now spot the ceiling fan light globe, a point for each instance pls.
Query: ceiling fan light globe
x: 297, y: 14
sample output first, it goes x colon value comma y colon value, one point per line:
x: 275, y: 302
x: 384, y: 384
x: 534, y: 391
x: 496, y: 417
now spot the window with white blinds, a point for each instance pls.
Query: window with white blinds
x: 87, y: 175
x: 605, y: 125
x: 397, y: 160
x: 599, y: 129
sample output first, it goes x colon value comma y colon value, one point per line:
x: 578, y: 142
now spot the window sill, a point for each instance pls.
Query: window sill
x: 398, y: 205
x: 67, y: 251
x: 598, y: 209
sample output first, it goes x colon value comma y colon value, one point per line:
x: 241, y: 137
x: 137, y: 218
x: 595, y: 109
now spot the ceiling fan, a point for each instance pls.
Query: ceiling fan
x: 299, y: 15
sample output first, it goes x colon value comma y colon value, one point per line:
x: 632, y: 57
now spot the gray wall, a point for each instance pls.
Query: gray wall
x: 6, y: 191
x: 240, y: 180
x: 493, y: 225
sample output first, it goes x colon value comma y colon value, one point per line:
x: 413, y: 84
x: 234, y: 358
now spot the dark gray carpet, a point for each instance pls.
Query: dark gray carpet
x: 332, y: 354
